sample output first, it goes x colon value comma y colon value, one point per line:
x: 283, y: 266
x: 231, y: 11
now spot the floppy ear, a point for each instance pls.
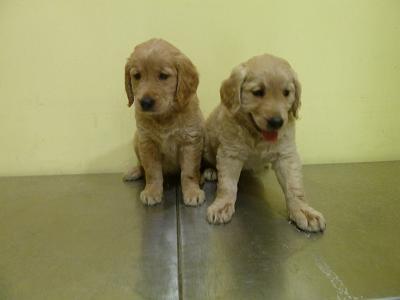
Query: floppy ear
x: 188, y: 80
x: 128, y: 84
x: 231, y: 88
x: 294, y: 110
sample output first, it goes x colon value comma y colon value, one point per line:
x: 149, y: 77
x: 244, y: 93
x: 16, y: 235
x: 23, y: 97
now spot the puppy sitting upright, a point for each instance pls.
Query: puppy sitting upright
x: 255, y: 125
x: 162, y: 83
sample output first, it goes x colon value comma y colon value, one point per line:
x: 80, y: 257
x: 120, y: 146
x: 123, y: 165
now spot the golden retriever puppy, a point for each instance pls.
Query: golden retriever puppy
x: 161, y: 82
x: 255, y: 125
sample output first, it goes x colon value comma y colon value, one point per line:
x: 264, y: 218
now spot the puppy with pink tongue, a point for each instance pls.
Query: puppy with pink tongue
x: 253, y: 126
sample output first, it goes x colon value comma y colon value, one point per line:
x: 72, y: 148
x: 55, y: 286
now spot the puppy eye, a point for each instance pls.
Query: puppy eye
x: 163, y: 76
x: 137, y: 76
x: 259, y: 93
x: 286, y: 92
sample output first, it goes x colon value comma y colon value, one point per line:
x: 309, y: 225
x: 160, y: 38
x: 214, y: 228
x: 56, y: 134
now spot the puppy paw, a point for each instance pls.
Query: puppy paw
x: 151, y: 196
x: 133, y: 174
x: 220, y: 211
x: 209, y: 174
x: 307, y: 218
x: 193, y: 196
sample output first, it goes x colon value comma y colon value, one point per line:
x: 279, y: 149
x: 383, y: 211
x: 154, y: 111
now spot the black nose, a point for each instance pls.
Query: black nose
x: 147, y: 103
x: 275, y: 122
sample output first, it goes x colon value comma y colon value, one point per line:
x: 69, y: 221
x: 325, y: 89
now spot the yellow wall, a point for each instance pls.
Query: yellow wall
x: 62, y: 100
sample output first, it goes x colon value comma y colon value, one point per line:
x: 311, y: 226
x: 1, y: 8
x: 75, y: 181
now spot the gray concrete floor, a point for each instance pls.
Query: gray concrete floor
x: 89, y: 237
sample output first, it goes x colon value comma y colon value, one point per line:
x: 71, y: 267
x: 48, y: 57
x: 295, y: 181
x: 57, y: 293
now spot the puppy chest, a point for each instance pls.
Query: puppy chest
x: 169, y: 149
x: 258, y: 158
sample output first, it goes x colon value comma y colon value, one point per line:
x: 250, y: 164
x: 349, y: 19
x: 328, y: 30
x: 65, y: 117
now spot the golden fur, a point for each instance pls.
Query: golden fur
x: 169, y: 137
x: 257, y: 90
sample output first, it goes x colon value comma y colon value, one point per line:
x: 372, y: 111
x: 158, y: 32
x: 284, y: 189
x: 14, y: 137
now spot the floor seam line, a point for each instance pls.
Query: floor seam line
x: 179, y: 242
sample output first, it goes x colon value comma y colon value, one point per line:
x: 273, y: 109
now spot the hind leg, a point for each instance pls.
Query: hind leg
x: 134, y: 174
x: 209, y: 174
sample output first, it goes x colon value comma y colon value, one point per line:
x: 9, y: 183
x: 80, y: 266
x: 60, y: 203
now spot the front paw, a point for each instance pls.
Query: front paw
x: 151, y: 195
x: 307, y: 218
x: 221, y: 211
x: 193, y: 196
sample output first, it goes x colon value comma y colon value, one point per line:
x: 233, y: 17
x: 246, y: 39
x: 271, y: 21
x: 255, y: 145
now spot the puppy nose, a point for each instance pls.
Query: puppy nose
x: 146, y: 103
x: 275, y: 122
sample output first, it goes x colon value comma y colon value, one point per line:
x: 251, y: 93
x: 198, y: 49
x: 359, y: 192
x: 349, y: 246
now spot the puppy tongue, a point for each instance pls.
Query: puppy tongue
x: 271, y: 136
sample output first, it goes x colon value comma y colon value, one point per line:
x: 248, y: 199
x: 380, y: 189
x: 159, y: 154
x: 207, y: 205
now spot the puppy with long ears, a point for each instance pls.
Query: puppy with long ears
x: 255, y: 125
x: 161, y: 82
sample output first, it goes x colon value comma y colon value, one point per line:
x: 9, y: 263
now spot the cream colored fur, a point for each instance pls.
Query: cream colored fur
x: 235, y: 137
